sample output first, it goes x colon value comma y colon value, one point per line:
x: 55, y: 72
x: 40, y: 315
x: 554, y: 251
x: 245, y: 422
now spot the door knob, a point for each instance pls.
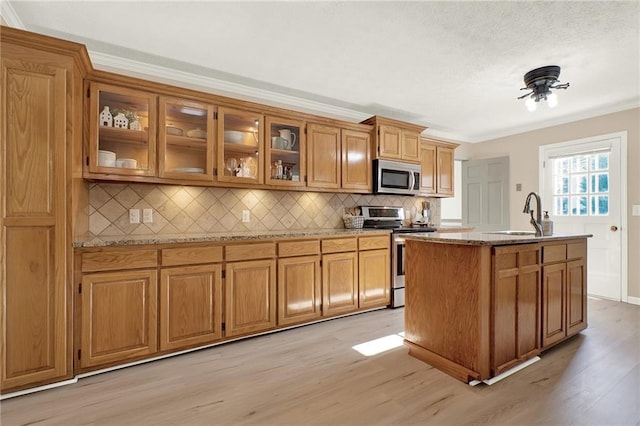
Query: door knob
x: 613, y: 228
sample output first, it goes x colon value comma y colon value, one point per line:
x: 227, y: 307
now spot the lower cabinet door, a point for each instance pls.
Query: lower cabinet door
x: 339, y: 283
x: 299, y: 292
x: 515, y: 308
x: 554, y: 291
x: 119, y: 316
x: 250, y: 298
x: 190, y: 306
x: 374, y: 278
x: 576, y: 296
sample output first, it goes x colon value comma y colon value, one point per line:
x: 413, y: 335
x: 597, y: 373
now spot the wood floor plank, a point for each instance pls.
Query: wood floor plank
x: 312, y: 376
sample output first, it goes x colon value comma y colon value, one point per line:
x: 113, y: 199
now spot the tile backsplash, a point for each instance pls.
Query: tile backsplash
x: 193, y: 210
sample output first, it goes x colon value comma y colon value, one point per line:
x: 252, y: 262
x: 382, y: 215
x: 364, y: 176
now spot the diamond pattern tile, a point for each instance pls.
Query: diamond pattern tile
x: 184, y: 209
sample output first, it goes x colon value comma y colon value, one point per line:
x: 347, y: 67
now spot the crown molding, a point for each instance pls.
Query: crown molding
x: 9, y: 15
x: 133, y: 68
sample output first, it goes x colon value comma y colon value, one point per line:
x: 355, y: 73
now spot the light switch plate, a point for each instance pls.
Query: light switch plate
x: 147, y: 215
x: 635, y: 210
x: 134, y: 215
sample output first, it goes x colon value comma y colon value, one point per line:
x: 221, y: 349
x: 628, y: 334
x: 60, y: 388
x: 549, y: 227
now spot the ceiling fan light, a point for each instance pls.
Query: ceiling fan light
x: 530, y: 103
x: 552, y: 100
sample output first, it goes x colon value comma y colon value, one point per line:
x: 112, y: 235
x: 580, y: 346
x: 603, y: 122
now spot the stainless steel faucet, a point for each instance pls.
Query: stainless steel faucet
x: 537, y: 222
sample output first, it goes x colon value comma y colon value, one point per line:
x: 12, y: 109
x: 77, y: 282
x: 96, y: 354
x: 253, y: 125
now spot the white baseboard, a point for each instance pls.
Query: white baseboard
x: 633, y: 300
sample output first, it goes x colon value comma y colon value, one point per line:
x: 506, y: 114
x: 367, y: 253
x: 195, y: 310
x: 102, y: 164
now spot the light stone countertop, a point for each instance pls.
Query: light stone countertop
x: 130, y: 240
x: 487, y: 239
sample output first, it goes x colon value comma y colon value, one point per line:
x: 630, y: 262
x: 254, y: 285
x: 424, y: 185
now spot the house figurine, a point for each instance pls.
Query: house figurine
x: 120, y: 121
x: 135, y: 125
x: 106, y: 119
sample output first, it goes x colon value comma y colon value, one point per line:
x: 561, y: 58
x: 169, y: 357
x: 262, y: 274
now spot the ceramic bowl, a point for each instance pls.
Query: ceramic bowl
x: 127, y: 163
x: 233, y: 136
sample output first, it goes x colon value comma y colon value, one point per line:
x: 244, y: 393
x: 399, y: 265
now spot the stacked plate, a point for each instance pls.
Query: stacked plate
x: 106, y: 158
x: 188, y: 170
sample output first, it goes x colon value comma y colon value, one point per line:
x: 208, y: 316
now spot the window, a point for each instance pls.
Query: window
x: 581, y: 184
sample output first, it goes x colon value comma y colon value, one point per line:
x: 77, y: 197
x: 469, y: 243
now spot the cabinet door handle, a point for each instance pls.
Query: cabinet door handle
x: 613, y: 228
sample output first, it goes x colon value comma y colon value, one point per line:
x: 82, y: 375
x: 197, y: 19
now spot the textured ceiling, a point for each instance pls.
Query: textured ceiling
x: 455, y: 67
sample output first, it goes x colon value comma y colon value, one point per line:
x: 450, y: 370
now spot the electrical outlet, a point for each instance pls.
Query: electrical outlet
x: 147, y: 215
x: 246, y: 217
x: 134, y: 215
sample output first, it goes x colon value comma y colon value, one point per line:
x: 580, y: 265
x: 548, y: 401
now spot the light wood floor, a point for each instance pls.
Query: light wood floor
x: 311, y: 375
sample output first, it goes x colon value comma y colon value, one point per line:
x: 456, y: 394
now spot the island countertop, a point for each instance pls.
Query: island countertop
x: 487, y: 238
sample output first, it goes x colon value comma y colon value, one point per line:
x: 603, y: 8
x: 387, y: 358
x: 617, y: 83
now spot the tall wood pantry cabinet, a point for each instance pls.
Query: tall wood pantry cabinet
x: 40, y: 115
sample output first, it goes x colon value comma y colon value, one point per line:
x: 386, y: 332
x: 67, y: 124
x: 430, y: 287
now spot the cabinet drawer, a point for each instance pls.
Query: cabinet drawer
x: 109, y: 260
x: 250, y: 251
x: 191, y: 255
x: 577, y: 250
x: 554, y: 253
x: 376, y: 242
x: 336, y: 245
x: 298, y: 248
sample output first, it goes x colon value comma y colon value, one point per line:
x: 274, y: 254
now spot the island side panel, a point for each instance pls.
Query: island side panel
x: 447, y: 306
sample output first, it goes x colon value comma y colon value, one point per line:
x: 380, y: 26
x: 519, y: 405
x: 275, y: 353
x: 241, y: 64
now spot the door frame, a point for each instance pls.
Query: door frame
x: 622, y: 136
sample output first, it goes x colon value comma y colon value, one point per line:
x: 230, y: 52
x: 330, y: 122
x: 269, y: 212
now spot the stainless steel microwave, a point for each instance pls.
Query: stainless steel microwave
x: 395, y: 177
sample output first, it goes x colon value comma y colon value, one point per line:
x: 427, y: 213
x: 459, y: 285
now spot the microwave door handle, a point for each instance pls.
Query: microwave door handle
x: 413, y: 180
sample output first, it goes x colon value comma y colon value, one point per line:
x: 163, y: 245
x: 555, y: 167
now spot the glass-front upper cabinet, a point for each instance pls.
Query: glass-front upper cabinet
x: 186, y: 140
x: 122, y: 130
x: 240, y: 147
x: 284, y: 152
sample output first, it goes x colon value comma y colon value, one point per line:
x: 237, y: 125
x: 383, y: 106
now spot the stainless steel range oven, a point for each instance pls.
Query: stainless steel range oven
x: 378, y: 217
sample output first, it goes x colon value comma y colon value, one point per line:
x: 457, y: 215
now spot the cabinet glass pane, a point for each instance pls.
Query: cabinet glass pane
x: 186, y: 138
x: 284, y: 161
x: 241, y: 145
x: 123, y: 132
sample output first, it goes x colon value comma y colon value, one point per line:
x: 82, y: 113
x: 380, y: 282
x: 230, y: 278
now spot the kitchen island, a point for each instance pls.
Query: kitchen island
x: 479, y: 304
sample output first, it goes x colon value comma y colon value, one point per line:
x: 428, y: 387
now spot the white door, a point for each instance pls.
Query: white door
x: 485, y: 194
x: 582, y: 190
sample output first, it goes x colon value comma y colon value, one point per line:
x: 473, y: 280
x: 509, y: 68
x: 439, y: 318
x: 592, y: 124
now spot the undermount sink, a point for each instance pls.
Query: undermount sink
x: 512, y: 232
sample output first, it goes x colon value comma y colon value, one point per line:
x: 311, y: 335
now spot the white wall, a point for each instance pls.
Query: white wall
x: 522, y: 150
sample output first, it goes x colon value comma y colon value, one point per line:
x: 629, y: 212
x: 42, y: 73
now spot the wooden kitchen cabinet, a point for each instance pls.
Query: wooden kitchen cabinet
x: 240, y: 146
x: 285, y: 152
x: 122, y: 122
x: 41, y: 86
x: 356, y: 173
x: 339, y: 158
x: 119, y: 316
x: 396, y: 140
x: 516, y: 306
x: 436, y: 168
x: 190, y: 306
x: 186, y: 140
x: 299, y: 282
x: 250, y: 288
x: 374, y: 271
x: 323, y: 165
x: 116, y: 306
x: 564, y: 308
x: 339, y: 276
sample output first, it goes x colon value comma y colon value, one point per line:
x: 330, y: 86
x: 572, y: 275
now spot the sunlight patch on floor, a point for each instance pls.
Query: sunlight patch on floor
x: 383, y: 344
